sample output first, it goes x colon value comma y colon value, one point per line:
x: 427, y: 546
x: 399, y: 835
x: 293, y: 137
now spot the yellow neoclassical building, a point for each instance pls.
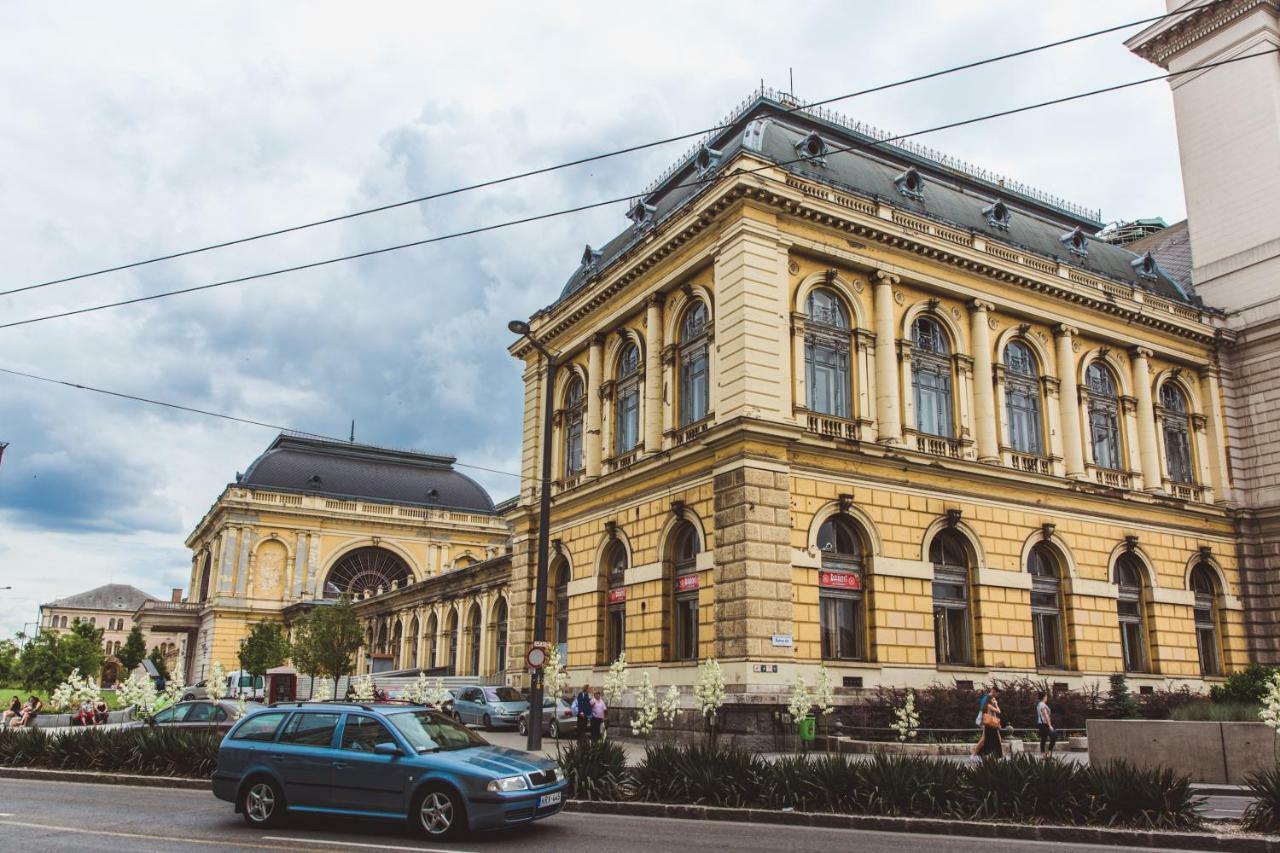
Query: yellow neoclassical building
x: 830, y: 400
x: 313, y: 519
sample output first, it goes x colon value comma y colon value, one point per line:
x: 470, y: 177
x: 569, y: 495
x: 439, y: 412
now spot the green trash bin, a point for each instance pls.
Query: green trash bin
x: 808, y: 729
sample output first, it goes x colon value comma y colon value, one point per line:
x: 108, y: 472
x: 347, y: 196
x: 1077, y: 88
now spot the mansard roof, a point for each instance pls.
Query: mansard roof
x: 112, y: 596
x: 942, y: 189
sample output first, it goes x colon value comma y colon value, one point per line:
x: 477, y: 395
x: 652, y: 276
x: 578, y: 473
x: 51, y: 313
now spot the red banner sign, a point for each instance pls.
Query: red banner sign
x: 685, y: 583
x: 840, y: 580
x: 617, y: 596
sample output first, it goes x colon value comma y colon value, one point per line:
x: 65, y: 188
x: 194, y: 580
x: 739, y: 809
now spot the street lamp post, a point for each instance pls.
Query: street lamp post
x: 534, y: 742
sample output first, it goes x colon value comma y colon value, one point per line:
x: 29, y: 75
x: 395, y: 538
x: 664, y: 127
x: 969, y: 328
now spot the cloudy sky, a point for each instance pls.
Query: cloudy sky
x: 134, y: 129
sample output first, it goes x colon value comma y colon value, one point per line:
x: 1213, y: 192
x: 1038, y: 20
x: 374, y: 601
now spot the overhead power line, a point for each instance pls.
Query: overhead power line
x: 211, y: 414
x: 493, y: 182
x: 718, y: 176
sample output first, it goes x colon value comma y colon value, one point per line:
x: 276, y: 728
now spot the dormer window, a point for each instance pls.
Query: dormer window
x: 590, y: 259
x: 998, y: 215
x: 706, y: 160
x: 314, y: 481
x: 1076, y: 242
x: 433, y: 496
x: 641, y: 215
x: 910, y: 184
x: 1146, y: 267
x: 813, y: 149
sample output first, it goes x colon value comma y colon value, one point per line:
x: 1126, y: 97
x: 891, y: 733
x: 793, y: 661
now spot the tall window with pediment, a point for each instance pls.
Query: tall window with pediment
x: 695, y: 373
x: 1205, y: 587
x: 1104, y: 417
x: 1130, y: 609
x: 616, y: 606
x: 1022, y: 399
x: 1175, y: 422
x: 627, y: 403
x: 950, y: 598
x: 574, y: 407
x: 685, y: 545
x: 1046, y: 607
x: 841, y: 602
x: 931, y: 378
x: 560, y: 614
x: 826, y: 354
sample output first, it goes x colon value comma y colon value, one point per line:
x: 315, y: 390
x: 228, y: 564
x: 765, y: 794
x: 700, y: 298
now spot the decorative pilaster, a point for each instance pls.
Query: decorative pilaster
x: 1211, y: 402
x: 1148, y: 451
x: 984, y: 400
x: 1069, y: 402
x: 888, y: 416
x: 595, y: 374
x: 653, y: 374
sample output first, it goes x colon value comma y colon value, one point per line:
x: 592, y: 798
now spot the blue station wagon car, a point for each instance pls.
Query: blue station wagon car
x: 402, y: 762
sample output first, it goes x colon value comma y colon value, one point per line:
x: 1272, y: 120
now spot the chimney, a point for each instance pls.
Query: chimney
x: 175, y: 596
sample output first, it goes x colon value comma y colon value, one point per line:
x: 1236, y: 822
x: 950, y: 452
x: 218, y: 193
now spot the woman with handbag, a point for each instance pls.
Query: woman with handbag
x: 990, y: 746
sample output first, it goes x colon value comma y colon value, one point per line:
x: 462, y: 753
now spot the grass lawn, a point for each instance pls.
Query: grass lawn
x: 8, y: 691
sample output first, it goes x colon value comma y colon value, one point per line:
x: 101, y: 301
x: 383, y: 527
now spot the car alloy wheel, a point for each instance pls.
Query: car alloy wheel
x: 523, y: 726
x: 436, y: 813
x: 488, y: 723
x: 554, y: 730
x: 262, y: 803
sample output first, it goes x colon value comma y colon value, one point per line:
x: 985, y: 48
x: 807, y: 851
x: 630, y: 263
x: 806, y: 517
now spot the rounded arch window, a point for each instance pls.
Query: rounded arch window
x: 574, y: 408
x: 840, y: 542
x: 500, y: 635
x: 1046, y: 606
x: 1204, y: 584
x: 367, y: 569
x: 1129, y: 574
x: 683, y: 598
x: 1022, y: 399
x: 931, y: 378
x: 685, y: 546
x: 473, y: 640
x: 950, y: 561
x: 842, y: 617
x: 1176, y: 427
x: 560, y: 608
x: 694, y: 358
x: 627, y: 404
x: 615, y: 566
x: 433, y: 628
x: 1104, y: 416
x: 826, y: 355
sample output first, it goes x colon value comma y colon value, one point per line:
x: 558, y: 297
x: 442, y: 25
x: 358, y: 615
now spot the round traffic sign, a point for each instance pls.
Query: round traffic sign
x: 536, y: 657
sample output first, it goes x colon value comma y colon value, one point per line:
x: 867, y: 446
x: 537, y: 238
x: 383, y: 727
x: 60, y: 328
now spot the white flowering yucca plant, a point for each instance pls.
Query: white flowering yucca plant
x: 75, y: 691
x: 801, y: 700
x: 647, y: 712
x: 140, y: 692
x: 615, y: 683
x: 669, y: 705
x: 906, y: 719
x: 824, y: 694
x: 417, y: 691
x: 322, y: 689
x: 709, y: 692
x: 216, y: 684
x: 171, y: 695
x: 554, y: 675
x: 362, y: 688
x: 1270, y: 713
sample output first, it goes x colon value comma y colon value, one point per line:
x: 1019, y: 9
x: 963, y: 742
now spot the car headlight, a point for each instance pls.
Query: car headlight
x: 559, y: 774
x: 510, y: 783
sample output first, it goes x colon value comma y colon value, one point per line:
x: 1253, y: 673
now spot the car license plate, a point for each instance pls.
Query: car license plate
x: 549, y: 800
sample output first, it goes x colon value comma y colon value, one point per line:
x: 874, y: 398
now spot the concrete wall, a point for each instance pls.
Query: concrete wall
x: 1224, y: 753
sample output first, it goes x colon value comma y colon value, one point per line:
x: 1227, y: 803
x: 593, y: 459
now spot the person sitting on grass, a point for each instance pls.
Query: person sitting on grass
x: 14, y: 711
x: 29, y: 712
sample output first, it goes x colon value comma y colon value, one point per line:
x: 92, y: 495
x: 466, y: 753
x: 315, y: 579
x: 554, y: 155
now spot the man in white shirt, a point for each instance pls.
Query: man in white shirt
x: 1044, y: 723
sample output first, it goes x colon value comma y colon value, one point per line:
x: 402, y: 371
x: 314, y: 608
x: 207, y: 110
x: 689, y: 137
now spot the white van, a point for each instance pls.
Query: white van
x: 242, y: 683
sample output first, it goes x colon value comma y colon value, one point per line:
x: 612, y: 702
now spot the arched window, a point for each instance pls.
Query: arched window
x: 1130, y: 607
x: 615, y: 567
x: 685, y: 545
x: 433, y: 628
x: 841, y: 606
x: 411, y: 659
x: 451, y: 641
x: 1104, y: 417
x: 574, y: 405
x: 369, y: 569
x: 1022, y: 399
x: 204, y: 580
x: 1177, y: 441
x: 473, y: 640
x: 500, y: 636
x: 1205, y: 586
x: 826, y: 354
x: 397, y: 645
x: 627, y: 426
x: 1046, y: 607
x: 950, y: 598
x: 560, y: 616
x: 695, y: 373
x: 931, y: 378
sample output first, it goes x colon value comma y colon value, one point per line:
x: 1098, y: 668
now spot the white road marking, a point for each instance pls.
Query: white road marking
x: 355, y: 844
x: 222, y: 842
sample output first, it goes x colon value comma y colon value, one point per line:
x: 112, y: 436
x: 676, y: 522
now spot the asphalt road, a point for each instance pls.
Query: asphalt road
x: 68, y: 816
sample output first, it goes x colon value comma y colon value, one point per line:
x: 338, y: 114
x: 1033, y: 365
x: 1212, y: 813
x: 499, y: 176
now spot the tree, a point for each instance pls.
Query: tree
x: 303, y: 651
x: 49, y: 658
x: 264, y: 648
x: 87, y: 630
x: 1120, y: 703
x: 133, y: 650
x: 334, y: 636
x: 8, y: 661
x: 157, y: 660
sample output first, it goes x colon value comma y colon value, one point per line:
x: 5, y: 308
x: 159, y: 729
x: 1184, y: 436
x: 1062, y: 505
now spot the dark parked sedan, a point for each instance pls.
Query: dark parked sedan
x: 220, y: 716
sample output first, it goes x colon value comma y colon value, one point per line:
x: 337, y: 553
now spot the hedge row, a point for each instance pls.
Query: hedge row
x: 146, y: 751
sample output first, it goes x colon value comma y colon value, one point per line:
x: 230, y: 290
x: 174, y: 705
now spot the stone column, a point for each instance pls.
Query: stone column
x: 1148, y: 451
x: 984, y: 400
x: 226, y: 564
x: 888, y: 418
x: 1211, y: 402
x: 595, y: 375
x: 1069, y: 402
x: 653, y: 374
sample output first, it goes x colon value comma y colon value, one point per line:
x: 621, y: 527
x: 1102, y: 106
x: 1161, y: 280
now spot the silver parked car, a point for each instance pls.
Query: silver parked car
x: 557, y: 719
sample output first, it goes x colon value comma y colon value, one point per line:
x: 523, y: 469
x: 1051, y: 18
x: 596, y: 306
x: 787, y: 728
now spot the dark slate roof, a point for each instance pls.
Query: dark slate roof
x: 352, y: 471
x: 1171, y: 247
x: 768, y: 129
x: 112, y: 596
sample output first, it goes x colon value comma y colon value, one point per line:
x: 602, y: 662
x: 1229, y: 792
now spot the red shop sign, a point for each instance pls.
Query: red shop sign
x: 685, y: 583
x: 840, y: 580
x: 618, y: 595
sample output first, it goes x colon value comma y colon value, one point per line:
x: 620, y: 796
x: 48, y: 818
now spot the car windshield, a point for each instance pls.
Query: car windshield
x: 427, y: 731
x: 502, y: 694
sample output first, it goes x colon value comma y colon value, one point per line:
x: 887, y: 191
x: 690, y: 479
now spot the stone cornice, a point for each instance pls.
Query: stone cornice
x: 1164, y: 39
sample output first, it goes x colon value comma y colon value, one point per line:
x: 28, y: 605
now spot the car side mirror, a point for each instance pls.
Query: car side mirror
x: 151, y: 721
x: 387, y: 749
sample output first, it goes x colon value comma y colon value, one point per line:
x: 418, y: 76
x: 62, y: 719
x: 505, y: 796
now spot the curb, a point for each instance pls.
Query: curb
x: 105, y: 778
x: 934, y: 826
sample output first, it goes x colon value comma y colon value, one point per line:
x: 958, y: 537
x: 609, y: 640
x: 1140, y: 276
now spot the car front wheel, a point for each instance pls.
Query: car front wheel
x: 554, y: 730
x: 487, y: 722
x: 523, y: 727
x: 189, y: 697
x: 439, y: 813
x: 262, y: 803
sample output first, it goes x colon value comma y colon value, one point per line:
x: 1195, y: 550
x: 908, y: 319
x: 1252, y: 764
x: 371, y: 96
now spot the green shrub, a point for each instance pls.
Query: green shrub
x: 702, y: 774
x: 1217, y: 712
x: 1263, y: 814
x: 1246, y: 686
x: 897, y: 785
x: 824, y: 783
x: 1026, y: 789
x: 596, y: 770
x: 1124, y: 795
x: 147, y: 751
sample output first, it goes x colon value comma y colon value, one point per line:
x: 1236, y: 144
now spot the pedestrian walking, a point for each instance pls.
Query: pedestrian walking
x: 991, y: 720
x: 582, y: 710
x: 598, y: 709
x: 1044, y: 724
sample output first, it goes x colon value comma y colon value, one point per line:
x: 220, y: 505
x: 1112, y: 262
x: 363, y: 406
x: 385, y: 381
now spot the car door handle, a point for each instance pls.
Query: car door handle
x: 275, y: 756
x: 339, y: 765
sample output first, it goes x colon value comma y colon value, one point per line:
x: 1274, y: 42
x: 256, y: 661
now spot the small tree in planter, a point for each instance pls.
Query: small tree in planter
x: 709, y: 692
x: 799, y: 706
